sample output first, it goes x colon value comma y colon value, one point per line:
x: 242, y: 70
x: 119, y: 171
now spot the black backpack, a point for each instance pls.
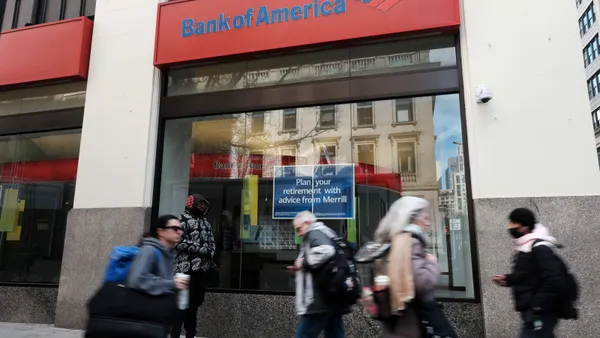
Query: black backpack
x: 337, y: 279
x: 567, y: 308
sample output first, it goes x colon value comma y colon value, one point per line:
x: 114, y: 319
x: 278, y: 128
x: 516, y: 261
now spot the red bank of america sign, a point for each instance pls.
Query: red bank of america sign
x: 198, y: 29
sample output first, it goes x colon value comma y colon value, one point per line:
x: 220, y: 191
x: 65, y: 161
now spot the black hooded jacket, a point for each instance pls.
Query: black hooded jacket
x: 537, y: 277
x: 196, y: 249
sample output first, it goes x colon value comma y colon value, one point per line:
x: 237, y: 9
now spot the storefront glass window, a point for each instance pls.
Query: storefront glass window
x: 31, y: 100
x: 37, y: 183
x: 383, y: 58
x: 242, y: 172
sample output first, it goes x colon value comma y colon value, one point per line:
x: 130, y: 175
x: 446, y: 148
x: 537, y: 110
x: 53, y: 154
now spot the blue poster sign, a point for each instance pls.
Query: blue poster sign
x: 327, y: 190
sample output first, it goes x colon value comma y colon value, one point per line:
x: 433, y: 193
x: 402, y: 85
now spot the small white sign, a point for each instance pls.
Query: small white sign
x: 455, y: 224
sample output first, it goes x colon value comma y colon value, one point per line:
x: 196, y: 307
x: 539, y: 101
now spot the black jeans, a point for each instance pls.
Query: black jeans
x: 547, y: 330
x: 188, y: 317
x: 331, y: 324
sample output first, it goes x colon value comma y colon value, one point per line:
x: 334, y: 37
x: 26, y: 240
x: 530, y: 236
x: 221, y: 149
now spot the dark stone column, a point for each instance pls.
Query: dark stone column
x: 91, y: 233
x: 28, y: 304
x: 575, y: 222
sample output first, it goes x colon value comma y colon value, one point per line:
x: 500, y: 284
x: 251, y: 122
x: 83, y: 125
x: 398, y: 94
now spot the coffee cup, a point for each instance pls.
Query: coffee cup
x: 382, y: 282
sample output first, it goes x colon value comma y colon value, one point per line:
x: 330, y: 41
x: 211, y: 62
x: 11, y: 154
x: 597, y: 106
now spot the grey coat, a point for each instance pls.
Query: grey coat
x: 426, y: 275
x: 317, y: 248
x: 151, y: 272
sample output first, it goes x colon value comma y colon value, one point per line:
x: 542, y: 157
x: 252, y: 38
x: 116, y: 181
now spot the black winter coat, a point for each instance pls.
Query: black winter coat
x: 536, y: 280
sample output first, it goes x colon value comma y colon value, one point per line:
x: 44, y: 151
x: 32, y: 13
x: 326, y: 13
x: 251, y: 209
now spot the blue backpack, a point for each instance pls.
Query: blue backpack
x: 119, y: 264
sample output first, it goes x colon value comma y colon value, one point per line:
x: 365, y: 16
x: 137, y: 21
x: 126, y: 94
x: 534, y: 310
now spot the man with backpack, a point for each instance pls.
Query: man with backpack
x: 542, y: 287
x: 316, y: 302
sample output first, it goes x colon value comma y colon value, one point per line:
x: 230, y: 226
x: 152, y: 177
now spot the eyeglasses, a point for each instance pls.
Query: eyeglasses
x: 174, y: 228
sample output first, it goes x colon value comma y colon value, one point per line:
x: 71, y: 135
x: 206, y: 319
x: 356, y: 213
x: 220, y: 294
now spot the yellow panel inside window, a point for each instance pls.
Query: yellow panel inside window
x: 10, y: 210
x: 15, y: 235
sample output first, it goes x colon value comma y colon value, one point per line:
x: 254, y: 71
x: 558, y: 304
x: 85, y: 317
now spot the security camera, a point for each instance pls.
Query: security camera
x: 483, y: 94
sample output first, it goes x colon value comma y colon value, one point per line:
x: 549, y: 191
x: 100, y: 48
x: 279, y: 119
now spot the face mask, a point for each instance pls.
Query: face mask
x: 515, y: 232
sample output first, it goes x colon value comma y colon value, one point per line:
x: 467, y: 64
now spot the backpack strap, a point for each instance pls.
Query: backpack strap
x: 158, y: 260
x: 158, y: 255
x: 539, y: 242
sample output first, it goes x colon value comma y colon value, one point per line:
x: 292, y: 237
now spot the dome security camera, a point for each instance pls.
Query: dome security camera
x: 483, y: 94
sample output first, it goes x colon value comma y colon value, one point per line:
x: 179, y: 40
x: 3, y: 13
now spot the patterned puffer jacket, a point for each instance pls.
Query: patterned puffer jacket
x: 196, y: 249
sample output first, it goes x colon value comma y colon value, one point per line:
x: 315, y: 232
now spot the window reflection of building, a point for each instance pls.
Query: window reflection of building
x: 446, y: 200
x: 289, y: 152
x: 391, y: 142
x: 327, y: 116
x: 258, y: 122
x: 404, y: 110
x: 383, y: 152
x: 364, y: 113
x: 453, y: 200
x: 327, y: 153
x: 452, y: 168
x: 366, y: 153
x: 326, y: 66
x: 457, y: 183
x: 406, y: 157
x: 289, y: 119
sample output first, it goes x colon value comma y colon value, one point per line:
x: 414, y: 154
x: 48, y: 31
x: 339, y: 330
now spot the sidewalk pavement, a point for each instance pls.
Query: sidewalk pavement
x: 13, y: 330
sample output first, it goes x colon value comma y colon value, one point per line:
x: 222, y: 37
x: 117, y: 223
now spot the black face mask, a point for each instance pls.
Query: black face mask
x: 515, y: 232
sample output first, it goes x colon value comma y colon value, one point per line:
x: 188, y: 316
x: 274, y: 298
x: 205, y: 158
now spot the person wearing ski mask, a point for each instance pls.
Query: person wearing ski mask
x: 194, y: 257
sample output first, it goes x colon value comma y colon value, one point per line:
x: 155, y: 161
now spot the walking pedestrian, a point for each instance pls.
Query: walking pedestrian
x: 413, y: 272
x: 152, y: 273
x: 316, y: 312
x: 536, y: 278
x: 146, y: 306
